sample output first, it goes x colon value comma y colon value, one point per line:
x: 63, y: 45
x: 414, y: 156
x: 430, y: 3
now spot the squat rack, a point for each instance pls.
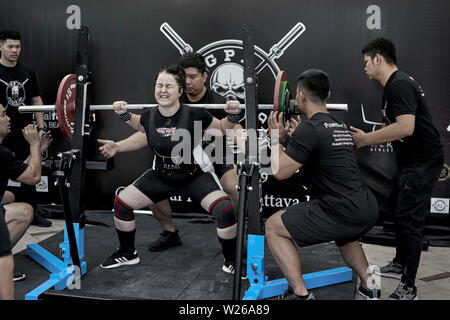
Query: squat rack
x: 71, y: 179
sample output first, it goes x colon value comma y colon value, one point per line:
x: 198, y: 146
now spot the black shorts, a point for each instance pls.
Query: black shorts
x: 309, y: 224
x: 157, y: 188
x: 5, y: 242
x: 221, y: 168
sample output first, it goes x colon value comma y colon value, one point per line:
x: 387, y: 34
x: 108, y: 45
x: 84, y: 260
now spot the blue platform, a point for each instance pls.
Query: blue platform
x: 191, y: 271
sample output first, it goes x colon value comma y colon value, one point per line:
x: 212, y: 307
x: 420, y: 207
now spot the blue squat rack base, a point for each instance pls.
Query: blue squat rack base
x: 63, y: 273
x: 260, y: 288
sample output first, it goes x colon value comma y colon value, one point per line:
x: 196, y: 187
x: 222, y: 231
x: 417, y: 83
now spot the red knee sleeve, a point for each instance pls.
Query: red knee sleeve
x: 122, y: 211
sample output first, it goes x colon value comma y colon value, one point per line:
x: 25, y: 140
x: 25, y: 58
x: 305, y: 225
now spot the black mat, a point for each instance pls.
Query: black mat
x: 191, y: 271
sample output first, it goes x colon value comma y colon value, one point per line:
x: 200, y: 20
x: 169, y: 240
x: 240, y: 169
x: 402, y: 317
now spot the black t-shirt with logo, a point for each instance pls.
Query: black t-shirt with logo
x: 402, y: 95
x: 210, y: 97
x: 173, y: 139
x: 10, y: 168
x: 324, y: 146
x: 18, y: 85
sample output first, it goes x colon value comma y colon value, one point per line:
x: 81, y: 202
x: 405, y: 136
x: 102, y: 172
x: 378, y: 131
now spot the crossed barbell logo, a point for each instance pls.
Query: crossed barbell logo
x: 227, y: 78
x: 268, y: 59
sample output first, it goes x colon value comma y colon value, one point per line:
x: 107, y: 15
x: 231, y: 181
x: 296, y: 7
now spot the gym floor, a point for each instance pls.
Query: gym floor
x: 433, y: 279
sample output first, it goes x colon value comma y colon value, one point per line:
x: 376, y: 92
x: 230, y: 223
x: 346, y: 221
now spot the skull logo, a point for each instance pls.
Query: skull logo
x: 15, y: 91
x: 228, y: 81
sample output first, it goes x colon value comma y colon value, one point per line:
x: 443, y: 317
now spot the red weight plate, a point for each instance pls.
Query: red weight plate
x: 65, y: 105
x: 281, y: 77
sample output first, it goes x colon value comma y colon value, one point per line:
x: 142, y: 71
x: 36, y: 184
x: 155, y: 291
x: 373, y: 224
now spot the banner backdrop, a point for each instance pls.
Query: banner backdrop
x: 130, y: 40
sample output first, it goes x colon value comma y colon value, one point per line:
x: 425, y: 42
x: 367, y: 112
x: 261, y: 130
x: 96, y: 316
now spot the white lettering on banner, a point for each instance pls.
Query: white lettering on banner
x: 52, y: 116
x: 51, y: 120
x: 262, y: 117
x: 53, y: 125
x: 74, y: 20
x: 228, y: 54
x: 210, y: 60
x: 382, y: 148
x: 373, y: 21
x: 179, y: 198
x: 272, y: 201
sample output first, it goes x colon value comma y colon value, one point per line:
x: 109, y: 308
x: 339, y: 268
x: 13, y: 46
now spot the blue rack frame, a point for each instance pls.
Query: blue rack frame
x: 67, y: 273
x: 63, y: 273
x: 260, y: 288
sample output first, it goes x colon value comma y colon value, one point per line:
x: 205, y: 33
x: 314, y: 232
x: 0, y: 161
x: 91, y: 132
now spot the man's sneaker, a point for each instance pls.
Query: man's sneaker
x: 40, y: 221
x: 402, y: 293
x: 165, y: 241
x: 391, y: 270
x: 120, y: 258
x: 289, y: 294
x: 369, y: 294
x: 228, y: 267
x: 18, y: 276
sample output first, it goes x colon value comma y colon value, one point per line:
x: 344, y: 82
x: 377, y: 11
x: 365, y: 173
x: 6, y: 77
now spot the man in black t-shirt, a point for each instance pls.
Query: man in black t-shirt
x: 15, y: 217
x: 342, y: 209
x: 18, y: 87
x: 408, y: 124
x: 197, y: 93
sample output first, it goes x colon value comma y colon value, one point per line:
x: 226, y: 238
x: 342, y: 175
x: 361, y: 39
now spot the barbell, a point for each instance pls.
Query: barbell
x: 66, y: 97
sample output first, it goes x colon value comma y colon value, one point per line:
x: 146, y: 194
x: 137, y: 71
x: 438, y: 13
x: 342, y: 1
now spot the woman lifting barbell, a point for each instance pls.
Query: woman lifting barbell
x: 173, y: 171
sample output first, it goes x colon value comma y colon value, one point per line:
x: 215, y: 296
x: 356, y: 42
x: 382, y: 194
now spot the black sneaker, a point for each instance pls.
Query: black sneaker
x: 228, y: 267
x: 120, y: 258
x: 402, y: 293
x: 18, y: 276
x: 289, y: 294
x: 166, y: 240
x: 40, y: 221
x: 369, y: 294
x: 391, y: 270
